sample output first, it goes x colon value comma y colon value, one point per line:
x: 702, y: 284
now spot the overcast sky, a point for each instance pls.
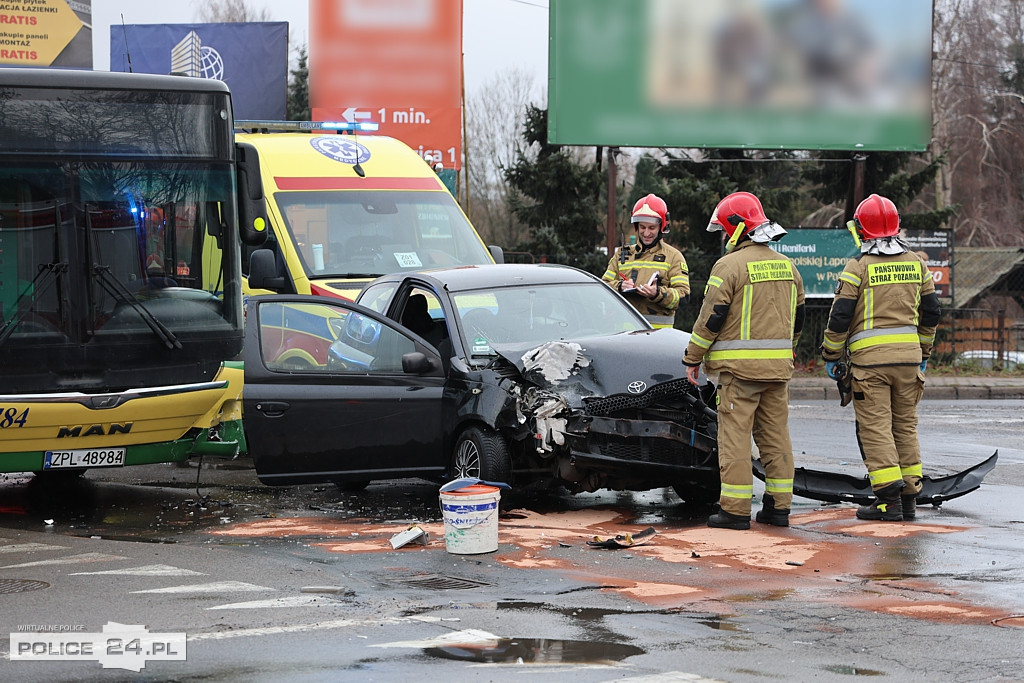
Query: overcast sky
x: 497, y: 34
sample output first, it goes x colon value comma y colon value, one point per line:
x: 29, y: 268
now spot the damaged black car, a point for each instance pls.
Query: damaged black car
x: 527, y: 374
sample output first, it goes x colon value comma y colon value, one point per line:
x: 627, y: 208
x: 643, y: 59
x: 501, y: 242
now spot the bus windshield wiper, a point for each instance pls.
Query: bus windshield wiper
x: 51, y: 269
x: 114, y: 288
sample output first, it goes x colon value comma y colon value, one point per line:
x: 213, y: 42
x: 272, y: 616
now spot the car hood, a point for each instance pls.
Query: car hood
x: 628, y: 362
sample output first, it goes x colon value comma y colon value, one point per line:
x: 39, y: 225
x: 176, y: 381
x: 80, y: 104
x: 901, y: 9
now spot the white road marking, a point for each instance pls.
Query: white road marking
x: 470, y: 636
x: 29, y: 547
x: 301, y: 628
x: 84, y: 558
x: 290, y: 601
x: 148, y: 570
x: 216, y: 587
x: 669, y: 677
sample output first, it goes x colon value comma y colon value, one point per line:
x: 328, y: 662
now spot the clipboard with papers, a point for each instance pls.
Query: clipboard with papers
x: 652, y: 281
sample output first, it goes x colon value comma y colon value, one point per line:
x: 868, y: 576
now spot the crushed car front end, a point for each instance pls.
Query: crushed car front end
x: 615, y: 412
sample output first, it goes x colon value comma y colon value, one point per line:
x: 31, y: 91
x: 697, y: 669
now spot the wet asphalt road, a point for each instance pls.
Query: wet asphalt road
x: 300, y: 582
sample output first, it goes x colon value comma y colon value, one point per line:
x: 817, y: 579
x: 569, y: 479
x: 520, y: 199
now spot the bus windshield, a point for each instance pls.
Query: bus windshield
x: 116, y: 212
x: 371, y: 233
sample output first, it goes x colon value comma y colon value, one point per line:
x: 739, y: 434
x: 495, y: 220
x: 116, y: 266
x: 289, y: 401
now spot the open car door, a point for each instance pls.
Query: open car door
x: 335, y: 392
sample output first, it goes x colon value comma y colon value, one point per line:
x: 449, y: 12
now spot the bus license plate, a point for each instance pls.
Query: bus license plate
x: 84, y: 457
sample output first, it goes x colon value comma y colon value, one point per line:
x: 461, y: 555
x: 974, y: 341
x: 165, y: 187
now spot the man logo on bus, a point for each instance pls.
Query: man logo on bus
x: 340, y: 149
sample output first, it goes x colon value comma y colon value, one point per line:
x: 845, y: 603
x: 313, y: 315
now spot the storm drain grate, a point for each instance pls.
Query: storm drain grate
x: 440, y: 583
x: 20, y: 585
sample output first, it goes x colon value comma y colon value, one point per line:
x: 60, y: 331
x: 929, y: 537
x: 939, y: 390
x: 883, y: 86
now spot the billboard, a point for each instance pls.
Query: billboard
x: 762, y: 74
x: 937, y: 246
x: 394, y: 62
x: 820, y: 255
x: 252, y: 58
x: 55, y: 33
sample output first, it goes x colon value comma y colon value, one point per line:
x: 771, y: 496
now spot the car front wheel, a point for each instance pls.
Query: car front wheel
x: 701, y: 490
x: 481, y: 453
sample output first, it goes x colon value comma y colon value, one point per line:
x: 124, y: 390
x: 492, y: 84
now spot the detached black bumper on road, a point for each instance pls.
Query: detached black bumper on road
x: 834, y: 487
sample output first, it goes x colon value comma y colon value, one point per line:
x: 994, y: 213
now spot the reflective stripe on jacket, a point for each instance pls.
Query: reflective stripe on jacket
x: 885, y: 311
x: 751, y: 317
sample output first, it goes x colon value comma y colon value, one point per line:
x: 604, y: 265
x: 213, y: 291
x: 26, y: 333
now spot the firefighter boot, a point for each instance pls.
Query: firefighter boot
x: 769, y: 514
x: 727, y: 520
x: 888, y: 506
x: 909, y: 502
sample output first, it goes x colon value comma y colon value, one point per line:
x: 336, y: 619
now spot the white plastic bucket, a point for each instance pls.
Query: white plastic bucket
x: 470, y: 519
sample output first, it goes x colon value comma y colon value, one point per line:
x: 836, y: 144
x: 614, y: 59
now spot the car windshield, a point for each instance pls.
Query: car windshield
x: 371, y: 233
x: 536, y: 314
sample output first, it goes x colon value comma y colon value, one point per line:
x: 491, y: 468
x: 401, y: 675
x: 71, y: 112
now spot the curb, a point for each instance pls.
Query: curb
x: 948, y: 392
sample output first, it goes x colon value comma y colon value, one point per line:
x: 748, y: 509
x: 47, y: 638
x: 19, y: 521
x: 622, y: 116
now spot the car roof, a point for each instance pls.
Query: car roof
x: 463, y: 278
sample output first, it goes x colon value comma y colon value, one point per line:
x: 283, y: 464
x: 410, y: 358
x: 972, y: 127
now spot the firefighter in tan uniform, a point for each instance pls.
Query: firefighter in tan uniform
x: 884, y: 314
x: 651, y: 275
x: 746, y: 331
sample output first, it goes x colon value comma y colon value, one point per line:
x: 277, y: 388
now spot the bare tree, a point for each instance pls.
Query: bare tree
x: 229, y: 11
x: 494, y: 124
x: 978, y: 117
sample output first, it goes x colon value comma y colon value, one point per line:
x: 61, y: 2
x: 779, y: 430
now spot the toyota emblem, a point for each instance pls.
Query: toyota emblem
x: 637, y: 387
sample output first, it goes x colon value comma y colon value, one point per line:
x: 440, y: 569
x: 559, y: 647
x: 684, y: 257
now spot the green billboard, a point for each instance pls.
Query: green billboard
x: 760, y: 74
x: 820, y: 255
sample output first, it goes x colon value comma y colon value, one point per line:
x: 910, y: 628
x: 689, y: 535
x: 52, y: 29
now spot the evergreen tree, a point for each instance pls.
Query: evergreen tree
x: 886, y: 173
x: 298, y: 89
x: 559, y: 198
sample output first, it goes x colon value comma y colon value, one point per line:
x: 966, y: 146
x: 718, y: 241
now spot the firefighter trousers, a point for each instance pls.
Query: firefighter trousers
x: 759, y: 409
x: 885, y: 401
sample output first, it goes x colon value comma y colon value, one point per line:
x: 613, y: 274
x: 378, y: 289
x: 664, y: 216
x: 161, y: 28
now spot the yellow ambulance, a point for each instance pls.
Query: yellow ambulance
x: 346, y: 207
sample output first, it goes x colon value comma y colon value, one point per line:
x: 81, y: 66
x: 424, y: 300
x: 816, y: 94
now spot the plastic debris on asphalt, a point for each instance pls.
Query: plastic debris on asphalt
x: 623, y: 540
x: 410, y: 535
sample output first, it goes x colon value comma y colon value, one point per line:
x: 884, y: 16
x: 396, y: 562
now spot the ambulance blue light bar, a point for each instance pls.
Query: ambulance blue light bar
x: 337, y: 126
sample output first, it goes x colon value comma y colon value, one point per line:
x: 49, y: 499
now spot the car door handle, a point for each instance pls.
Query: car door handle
x: 272, y: 408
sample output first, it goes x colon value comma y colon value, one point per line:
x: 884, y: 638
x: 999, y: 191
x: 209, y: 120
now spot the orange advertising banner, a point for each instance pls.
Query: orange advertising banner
x: 394, y: 62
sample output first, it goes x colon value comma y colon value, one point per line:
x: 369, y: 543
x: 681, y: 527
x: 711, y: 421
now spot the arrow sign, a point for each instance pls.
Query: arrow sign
x: 352, y: 114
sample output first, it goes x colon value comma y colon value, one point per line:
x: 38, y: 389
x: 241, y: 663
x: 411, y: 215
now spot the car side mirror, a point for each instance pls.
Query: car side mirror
x: 497, y: 253
x: 416, y: 363
x: 263, y: 271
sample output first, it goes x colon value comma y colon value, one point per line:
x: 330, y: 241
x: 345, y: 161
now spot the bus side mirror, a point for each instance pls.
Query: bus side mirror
x: 252, y: 206
x: 263, y: 271
x: 497, y: 253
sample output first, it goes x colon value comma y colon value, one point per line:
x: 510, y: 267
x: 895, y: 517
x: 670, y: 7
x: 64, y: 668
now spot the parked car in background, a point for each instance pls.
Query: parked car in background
x: 518, y: 373
x: 988, y: 358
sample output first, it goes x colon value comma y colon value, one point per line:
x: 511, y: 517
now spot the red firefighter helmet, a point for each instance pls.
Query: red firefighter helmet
x: 736, y: 208
x: 651, y: 209
x: 876, y: 216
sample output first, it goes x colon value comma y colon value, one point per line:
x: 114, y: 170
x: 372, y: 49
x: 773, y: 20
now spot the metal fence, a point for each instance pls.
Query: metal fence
x: 978, y: 336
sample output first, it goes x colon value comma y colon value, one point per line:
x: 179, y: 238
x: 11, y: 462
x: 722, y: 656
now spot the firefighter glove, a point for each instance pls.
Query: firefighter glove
x: 830, y: 369
x: 923, y: 365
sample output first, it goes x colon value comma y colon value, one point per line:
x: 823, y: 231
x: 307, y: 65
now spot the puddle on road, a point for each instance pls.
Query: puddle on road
x: 887, y: 577
x: 591, y: 616
x: 537, y: 651
x: 719, y: 624
x: 111, y: 511
x: 852, y: 670
x: 766, y: 596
